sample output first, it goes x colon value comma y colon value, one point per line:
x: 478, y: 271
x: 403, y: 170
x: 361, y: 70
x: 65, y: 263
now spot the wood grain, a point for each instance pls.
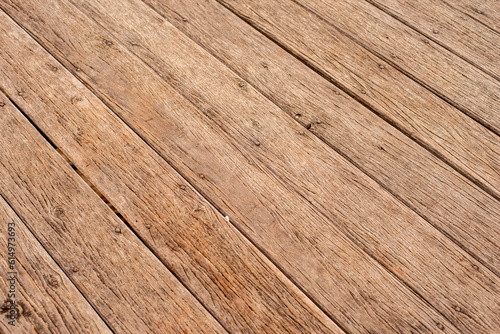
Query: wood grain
x: 132, y: 291
x: 417, y: 177
x: 236, y: 124
x: 463, y: 85
x: 448, y: 26
x: 224, y: 270
x: 485, y: 11
x: 464, y: 144
x: 46, y: 300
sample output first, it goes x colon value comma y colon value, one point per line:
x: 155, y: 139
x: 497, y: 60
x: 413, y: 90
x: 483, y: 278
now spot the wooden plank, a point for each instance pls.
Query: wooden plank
x: 436, y: 191
x: 261, y: 196
x: 464, y: 144
x: 463, y: 85
x: 132, y: 291
x: 237, y: 283
x: 448, y: 26
x: 43, y: 297
x: 485, y: 11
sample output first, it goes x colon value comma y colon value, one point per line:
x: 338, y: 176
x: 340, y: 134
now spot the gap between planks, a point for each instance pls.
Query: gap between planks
x: 336, y: 149
x: 464, y: 171
x: 107, y: 202
x: 400, y: 18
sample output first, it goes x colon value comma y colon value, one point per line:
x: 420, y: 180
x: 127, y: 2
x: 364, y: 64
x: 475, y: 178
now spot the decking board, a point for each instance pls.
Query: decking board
x: 235, y: 282
x: 279, y: 201
x: 121, y: 278
x: 448, y: 26
x: 319, y: 160
x: 339, y: 289
x: 417, y: 177
x: 44, y: 297
x: 485, y: 11
x: 460, y: 141
x: 461, y: 84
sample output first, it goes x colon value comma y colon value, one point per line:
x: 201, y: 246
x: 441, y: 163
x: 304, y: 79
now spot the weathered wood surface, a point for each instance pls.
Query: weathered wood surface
x: 484, y: 11
x: 436, y: 191
x: 449, y: 76
x: 45, y: 299
x: 122, y: 279
x: 240, y: 287
x: 449, y: 133
x: 262, y: 133
x: 448, y: 26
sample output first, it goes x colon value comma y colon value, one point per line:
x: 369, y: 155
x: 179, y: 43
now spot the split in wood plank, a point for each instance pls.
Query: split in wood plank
x: 225, y: 271
x: 276, y: 129
x: 43, y: 297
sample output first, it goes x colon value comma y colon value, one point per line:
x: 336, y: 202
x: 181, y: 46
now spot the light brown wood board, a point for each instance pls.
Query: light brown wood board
x: 458, y: 82
x: 460, y: 141
x: 107, y: 43
x: 414, y: 175
x: 120, y: 277
x: 243, y: 289
x: 43, y: 298
x: 449, y: 27
x: 485, y: 11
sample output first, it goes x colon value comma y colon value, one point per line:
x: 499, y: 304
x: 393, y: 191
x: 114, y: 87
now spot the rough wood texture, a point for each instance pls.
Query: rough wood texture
x: 459, y: 140
x: 436, y: 191
x: 262, y: 133
x: 228, y: 274
x: 449, y: 76
x: 46, y: 300
x: 448, y: 26
x: 122, y: 279
x: 485, y: 11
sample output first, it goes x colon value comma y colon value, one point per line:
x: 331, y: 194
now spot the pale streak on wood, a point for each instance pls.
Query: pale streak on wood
x: 435, y: 190
x: 122, y: 279
x: 42, y: 306
x: 385, y: 228
x: 353, y: 287
x: 420, y: 114
x: 242, y: 288
x: 450, y: 27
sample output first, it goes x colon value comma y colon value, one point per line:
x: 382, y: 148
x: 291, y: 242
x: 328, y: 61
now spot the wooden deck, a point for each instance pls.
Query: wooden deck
x: 264, y: 166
